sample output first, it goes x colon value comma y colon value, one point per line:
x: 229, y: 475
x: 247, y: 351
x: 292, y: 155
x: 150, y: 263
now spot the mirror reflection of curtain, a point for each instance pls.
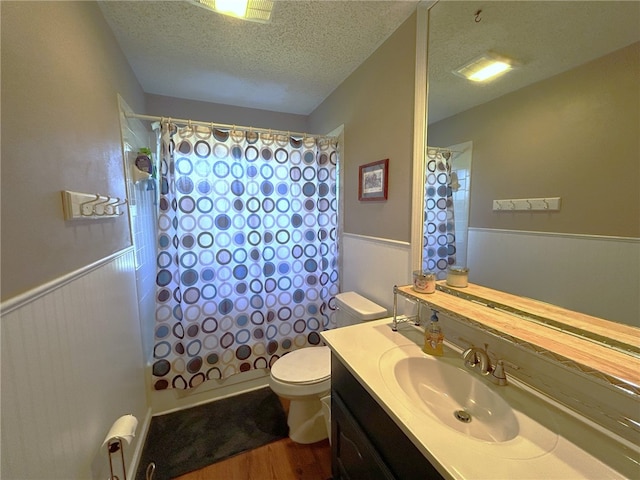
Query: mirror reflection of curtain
x: 247, y: 251
x: 438, y: 246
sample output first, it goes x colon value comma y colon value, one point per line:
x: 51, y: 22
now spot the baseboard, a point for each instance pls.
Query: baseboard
x: 142, y: 436
x: 168, y: 401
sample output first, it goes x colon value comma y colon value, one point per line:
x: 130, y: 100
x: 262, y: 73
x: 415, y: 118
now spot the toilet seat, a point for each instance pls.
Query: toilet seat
x: 304, y: 366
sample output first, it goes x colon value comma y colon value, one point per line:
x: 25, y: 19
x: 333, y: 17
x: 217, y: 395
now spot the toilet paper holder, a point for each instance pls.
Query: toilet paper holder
x: 115, y: 445
x: 123, y: 429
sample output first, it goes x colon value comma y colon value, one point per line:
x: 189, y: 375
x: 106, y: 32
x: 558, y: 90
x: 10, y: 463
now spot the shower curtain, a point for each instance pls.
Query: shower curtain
x: 247, y: 251
x: 438, y: 245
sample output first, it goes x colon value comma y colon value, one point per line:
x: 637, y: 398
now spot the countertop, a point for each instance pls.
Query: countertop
x: 566, y: 453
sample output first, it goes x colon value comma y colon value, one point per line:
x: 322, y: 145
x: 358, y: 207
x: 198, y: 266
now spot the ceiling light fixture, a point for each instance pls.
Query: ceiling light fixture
x: 485, y: 67
x: 252, y: 10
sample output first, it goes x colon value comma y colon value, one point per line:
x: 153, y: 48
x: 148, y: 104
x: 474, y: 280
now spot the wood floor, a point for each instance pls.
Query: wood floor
x: 280, y: 460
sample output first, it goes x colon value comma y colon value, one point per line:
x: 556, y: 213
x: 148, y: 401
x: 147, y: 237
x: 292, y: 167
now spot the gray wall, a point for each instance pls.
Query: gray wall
x: 574, y: 135
x: 375, y: 104
x: 61, y: 71
x: 71, y: 348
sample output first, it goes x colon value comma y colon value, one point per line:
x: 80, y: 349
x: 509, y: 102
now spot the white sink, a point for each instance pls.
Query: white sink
x: 456, y: 398
x: 462, y: 401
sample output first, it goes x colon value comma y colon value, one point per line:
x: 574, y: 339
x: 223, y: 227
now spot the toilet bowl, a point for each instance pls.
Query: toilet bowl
x: 304, y: 376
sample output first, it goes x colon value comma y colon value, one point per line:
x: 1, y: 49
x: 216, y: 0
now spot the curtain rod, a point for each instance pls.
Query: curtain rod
x: 441, y: 149
x: 153, y: 118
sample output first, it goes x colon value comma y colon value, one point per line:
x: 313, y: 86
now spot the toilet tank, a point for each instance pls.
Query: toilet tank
x: 354, y: 308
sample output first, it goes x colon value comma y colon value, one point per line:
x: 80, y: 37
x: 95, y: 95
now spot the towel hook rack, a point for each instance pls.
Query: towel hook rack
x: 547, y: 204
x: 90, y: 206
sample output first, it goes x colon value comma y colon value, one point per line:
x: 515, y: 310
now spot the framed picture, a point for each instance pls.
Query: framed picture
x: 373, y: 181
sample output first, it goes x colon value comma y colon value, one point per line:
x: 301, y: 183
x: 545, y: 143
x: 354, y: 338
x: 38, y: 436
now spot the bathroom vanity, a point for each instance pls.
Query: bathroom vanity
x: 366, y: 443
x: 392, y: 416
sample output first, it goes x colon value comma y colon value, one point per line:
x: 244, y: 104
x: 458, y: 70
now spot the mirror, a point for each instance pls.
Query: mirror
x: 539, y: 131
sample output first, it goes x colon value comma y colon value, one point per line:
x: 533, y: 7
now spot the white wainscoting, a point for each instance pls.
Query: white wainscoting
x: 372, y: 266
x: 72, y: 364
x: 592, y: 274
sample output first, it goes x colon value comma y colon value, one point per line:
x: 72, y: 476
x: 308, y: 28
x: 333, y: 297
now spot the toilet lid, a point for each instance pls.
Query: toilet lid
x: 306, y: 365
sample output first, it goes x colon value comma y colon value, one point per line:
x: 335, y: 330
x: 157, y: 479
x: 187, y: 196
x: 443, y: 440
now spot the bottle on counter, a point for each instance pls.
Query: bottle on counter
x: 433, y: 337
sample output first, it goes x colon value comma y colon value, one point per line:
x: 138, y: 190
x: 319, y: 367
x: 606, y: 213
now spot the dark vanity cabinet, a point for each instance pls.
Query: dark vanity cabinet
x: 365, y: 441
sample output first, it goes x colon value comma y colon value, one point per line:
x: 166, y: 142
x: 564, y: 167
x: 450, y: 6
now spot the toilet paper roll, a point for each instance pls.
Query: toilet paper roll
x: 124, y: 428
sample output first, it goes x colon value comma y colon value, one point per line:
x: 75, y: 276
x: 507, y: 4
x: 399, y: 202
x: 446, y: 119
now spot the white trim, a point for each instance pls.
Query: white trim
x: 338, y: 132
x: 384, y: 241
x: 134, y: 464
x: 41, y: 290
x: 581, y: 236
x: 419, y: 132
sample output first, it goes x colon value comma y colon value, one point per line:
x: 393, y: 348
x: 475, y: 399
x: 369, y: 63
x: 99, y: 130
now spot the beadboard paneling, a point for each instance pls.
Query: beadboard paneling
x: 71, y: 365
x: 372, y: 266
x: 596, y: 275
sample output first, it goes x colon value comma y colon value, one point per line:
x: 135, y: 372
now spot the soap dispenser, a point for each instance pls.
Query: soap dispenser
x: 433, y: 337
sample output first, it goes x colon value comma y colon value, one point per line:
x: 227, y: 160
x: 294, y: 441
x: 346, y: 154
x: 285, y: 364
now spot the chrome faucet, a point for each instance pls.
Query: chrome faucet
x: 478, y: 357
x: 475, y: 356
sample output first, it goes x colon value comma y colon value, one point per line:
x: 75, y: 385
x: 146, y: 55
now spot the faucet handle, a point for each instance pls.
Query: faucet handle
x: 498, y: 374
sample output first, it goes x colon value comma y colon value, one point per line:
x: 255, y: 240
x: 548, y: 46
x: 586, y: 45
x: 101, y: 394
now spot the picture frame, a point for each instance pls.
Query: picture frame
x: 373, y: 181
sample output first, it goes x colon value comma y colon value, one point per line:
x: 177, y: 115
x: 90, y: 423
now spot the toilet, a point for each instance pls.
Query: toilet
x: 304, y: 376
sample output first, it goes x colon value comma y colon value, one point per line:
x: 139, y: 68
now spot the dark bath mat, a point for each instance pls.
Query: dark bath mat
x: 190, y: 439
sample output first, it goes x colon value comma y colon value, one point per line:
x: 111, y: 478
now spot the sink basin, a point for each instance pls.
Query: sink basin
x: 453, y: 396
x: 463, y: 403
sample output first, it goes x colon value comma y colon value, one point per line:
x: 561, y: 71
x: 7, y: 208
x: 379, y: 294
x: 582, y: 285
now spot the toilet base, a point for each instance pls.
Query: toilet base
x: 306, y: 421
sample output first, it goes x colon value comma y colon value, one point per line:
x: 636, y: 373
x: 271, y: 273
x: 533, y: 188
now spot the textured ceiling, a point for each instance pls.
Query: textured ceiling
x: 545, y: 38
x: 289, y: 65
x: 292, y: 64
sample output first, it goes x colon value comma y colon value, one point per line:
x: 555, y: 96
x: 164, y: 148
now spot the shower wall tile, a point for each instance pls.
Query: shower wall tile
x: 71, y: 365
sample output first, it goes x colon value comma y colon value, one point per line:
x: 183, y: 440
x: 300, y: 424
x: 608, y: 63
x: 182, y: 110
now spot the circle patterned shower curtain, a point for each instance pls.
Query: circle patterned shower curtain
x: 247, y: 251
x: 438, y: 243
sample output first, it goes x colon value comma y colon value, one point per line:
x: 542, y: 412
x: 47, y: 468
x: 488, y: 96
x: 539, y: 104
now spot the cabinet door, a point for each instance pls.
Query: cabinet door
x: 392, y: 447
x: 354, y: 456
